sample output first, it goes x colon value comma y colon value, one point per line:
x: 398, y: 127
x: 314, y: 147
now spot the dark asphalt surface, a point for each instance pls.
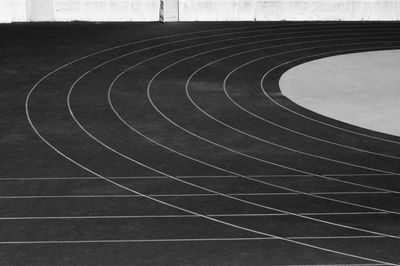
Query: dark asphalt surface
x: 230, y: 176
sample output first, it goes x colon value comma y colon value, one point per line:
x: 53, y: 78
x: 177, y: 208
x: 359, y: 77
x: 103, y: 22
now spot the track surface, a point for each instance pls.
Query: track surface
x: 150, y: 144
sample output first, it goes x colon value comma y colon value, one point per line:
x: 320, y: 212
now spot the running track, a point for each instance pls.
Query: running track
x: 150, y: 144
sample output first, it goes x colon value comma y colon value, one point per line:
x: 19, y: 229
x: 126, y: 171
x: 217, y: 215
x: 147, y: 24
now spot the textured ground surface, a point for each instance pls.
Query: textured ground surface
x: 176, y: 147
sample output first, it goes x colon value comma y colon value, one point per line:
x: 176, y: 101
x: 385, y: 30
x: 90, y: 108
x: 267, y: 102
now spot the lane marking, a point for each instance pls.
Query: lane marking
x: 128, y: 158
x: 105, y: 178
x: 184, y: 176
x: 191, y: 195
x: 263, y: 140
x: 243, y: 154
x: 186, y: 216
x: 285, y: 128
x: 156, y: 200
x: 180, y: 240
x: 347, y: 264
x: 149, y: 97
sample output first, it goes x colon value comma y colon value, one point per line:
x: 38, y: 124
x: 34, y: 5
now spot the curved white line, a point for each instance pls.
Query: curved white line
x: 368, y: 168
x: 179, y: 176
x: 212, y: 191
x: 188, y: 195
x: 204, y: 188
x: 303, y: 171
x: 219, y: 145
x: 181, y: 240
x: 338, y: 180
x: 209, y: 164
x: 269, y: 142
x: 164, y: 203
x: 288, y: 129
x: 204, y: 162
x: 326, y: 198
x: 329, y: 178
x: 160, y: 216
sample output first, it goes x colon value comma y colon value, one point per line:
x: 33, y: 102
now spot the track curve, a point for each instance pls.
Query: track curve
x: 167, y: 134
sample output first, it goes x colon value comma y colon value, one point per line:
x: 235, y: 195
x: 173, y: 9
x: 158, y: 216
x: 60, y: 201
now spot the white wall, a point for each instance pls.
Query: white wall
x: 271, y: 10
x: 198, y: 10
x: 217, y: 10
x: 328, y: 10
x: 84, y: 10
x: 106, y: 10
x: 13, y: 10
x: 40, y: 10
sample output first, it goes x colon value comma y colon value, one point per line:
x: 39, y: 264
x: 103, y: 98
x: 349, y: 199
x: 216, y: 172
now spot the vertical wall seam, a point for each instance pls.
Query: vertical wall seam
x: 28, y: 19
x: 53, y: 14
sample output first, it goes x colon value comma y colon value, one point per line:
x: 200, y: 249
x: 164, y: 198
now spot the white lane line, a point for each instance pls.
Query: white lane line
x: 186, y: 176
x: 129, y: 158
x: 180, y: 216
x: 149, y: 97
x: 191, y: 195
x: 133, y: 240
x: 140, y: 177
x: 183, y: 240
x: 310, y: 118
x: 370, y: 174
x: 303, y: 213
x: 149, y: 85
x: 268, y: 142
x: 254, y: 136
x: 318, y: 156
x: 347, y: 264
x: 159, y: 201
x: 252, y: 157
x: 170, y: 121
x: 256, y: 158
x: 285, y: 128
x: 344, y: 175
